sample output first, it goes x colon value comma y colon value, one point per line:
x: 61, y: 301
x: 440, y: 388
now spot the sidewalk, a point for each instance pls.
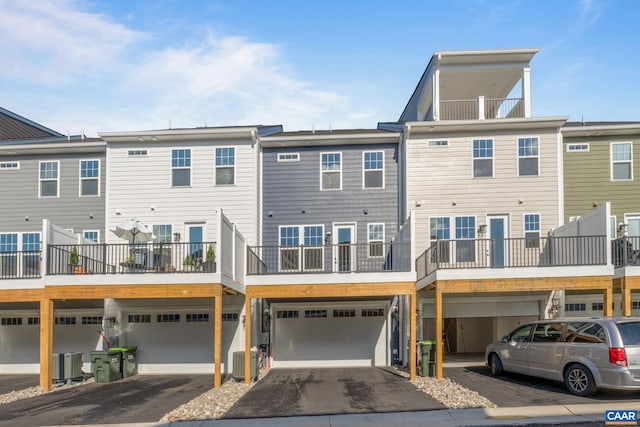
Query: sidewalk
x: 527, y: 415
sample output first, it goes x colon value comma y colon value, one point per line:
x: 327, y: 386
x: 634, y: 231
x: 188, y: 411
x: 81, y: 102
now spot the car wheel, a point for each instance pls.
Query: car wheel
x: 579, y: 380
x: 495, y: 364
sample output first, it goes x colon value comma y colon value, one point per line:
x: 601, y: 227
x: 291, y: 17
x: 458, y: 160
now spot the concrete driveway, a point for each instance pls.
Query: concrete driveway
x: 141, y: 398
x: 321, y: 391
x: 9, y: 383
x: 521, y: 390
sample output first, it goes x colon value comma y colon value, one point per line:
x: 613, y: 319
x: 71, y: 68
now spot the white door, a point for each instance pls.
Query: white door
x: 330, y: 336
x: 344, y: 248
x: 633, y: 230
x: 497, y: 245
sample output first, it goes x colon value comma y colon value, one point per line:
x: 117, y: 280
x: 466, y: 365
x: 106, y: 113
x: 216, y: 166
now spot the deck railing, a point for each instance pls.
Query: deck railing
x: 625, y: 251
x: 20, y: 264
x: 512, y: 253
x: 339, y: 258
x: 481, y: 108
x: 107, y: 258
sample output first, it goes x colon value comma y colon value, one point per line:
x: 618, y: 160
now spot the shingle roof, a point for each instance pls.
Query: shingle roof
x: 13, y: 126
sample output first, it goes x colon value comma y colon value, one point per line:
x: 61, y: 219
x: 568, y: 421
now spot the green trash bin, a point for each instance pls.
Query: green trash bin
x: 105, y: 365
x: 129, y: 365
x: 428, y: 358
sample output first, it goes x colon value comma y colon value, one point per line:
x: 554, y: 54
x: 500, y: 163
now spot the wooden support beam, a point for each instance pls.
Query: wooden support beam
x: 46, y: 343
x: 412, y: 336
x: 608, y: 301
x: 21, y: 295
x: 524, y: 284
x: 247, y: 339
x: 133, y: 291
x: 217, y: 340
x: 331, y: 290
x: 625, y: 292
x: 439, y: 329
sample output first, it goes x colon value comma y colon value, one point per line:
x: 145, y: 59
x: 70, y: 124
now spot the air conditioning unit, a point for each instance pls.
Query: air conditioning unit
x: 238, y: 365
x: 65, y: 366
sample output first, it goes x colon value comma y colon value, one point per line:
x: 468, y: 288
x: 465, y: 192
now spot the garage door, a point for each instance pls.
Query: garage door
x: 330, y: 336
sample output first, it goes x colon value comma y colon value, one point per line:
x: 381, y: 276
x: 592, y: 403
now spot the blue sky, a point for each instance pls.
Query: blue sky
x: 92, y: 66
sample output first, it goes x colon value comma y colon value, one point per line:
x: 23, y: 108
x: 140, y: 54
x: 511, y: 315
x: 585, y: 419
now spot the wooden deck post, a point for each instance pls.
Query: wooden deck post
x: 46, y: 342
x: 439, y: 328
x: 412, y: 336
x: 625, y: 293
x: 217, y: 340
x: 247, y: 339
x: 608, y: 301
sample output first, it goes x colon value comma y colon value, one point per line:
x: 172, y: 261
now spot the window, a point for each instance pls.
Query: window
x: 521, y: 334
x: 197, y: 317
x: 65, y: 320
x: 315, y: 313
x: 373, y: 169
x: 548, y: 332
x: 139, y: 318
x: 137, y: 153
x: 11, y: 321
x: 9, y: 165
x: 577, y: 148
x: 621, y: 161
x: 331, y: 171
x: 289, y: 257
x: 181, y: 168
x: 482, y: 158
x: 49, y: 182
x: 372, y: 312
x: 375, y: 238
x: 8, y: 254
x: 635, y: 305
x: 532, y: 230
x: 575, y: 307
x: 225, y: 166
x: 168, y: 318
x: 465, y: 238
x: 438, y: 143
x: 33, y: 321
x: 91, y: 320
x: 93, y: 235
x: 31, y: 254
x: 527, y: 156
x: 344, y: 313
x: 288, y: 157
x: 89, y: 177
x: 287, y: 314
x: 163, y: 233
x: 229, y: 317
x: 597, y: 306
x: 613, y: 230
x: 585, y: 332
x: 439, y: 229
x: 312, y: 249
x: 312, y: 252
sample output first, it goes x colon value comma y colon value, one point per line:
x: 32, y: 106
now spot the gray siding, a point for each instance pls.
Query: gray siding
x: 19, y: 190
x: 290, y: 187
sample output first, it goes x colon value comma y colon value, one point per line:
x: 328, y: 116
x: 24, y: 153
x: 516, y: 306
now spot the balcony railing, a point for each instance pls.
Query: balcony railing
x: 339, y: 258
x: 20, y: 265
x: 108, y: 258
x: 625, y: 251
x: 512, y: 252
x: 481, y: 108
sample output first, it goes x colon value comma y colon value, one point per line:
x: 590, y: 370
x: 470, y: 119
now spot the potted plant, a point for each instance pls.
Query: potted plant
x: 210, y: 262
x: 74, y: 259
x: 189, y: 262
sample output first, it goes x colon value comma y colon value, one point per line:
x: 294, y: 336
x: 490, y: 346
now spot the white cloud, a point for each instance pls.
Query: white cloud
x: 95, y: 74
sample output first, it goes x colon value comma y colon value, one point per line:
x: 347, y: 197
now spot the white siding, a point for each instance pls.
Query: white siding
x: 138, y: 184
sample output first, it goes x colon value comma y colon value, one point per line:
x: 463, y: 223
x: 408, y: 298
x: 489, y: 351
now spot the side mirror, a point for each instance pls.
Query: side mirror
x: 505, y: 339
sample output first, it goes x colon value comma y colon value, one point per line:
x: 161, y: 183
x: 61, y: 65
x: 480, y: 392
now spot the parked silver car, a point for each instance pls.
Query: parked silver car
x: 585, y: 353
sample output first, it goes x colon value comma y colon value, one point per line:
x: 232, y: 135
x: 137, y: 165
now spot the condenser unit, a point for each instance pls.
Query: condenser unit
x: 65, y: 366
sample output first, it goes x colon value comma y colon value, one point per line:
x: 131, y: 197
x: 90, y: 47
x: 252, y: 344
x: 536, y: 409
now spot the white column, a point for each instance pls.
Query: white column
x: 526, y: 91
x: 435, y: 88
x: 481, y: 107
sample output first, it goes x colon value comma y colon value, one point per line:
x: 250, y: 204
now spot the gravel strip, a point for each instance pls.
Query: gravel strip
x: 451, y: 394
x: 37, y: 391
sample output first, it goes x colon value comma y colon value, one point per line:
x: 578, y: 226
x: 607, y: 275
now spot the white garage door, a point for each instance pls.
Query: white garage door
x: 330, y: 336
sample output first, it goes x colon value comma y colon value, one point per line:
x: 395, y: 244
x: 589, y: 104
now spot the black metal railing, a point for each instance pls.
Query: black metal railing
x: 109, y: 258
x: 20, y: 265
x: 625, y: 251
x: 339, y: 258
x: 512, y: 252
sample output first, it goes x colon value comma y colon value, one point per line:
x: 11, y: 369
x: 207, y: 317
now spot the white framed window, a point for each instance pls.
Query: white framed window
x: 330, y: 171
x: 163, y: 233
x: 288, y: 157
x: 532, y: 230
x: 438, y: 143
x: 311, y: 251
x: 528, y: 156
x: 373, y: 169
x: 483, y: 158
x: 9, y: 165
x: 578, y: 148
x: 440, y: 233
x: 138, y: 153
x: 181, y: 167
x: 375, y: 240
x: 49, y: 178
x: 613, y: 229
x: 465, y: 238
x: 621, y: 161
x: 225, y: 165
x: 90, y: 177
x: 93, y: 235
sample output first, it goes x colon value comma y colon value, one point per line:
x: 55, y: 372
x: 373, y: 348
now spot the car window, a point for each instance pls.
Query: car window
x: 630, y: 332
x: 521, y: 334
x: 548, y: 332
x: 585, y: 332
